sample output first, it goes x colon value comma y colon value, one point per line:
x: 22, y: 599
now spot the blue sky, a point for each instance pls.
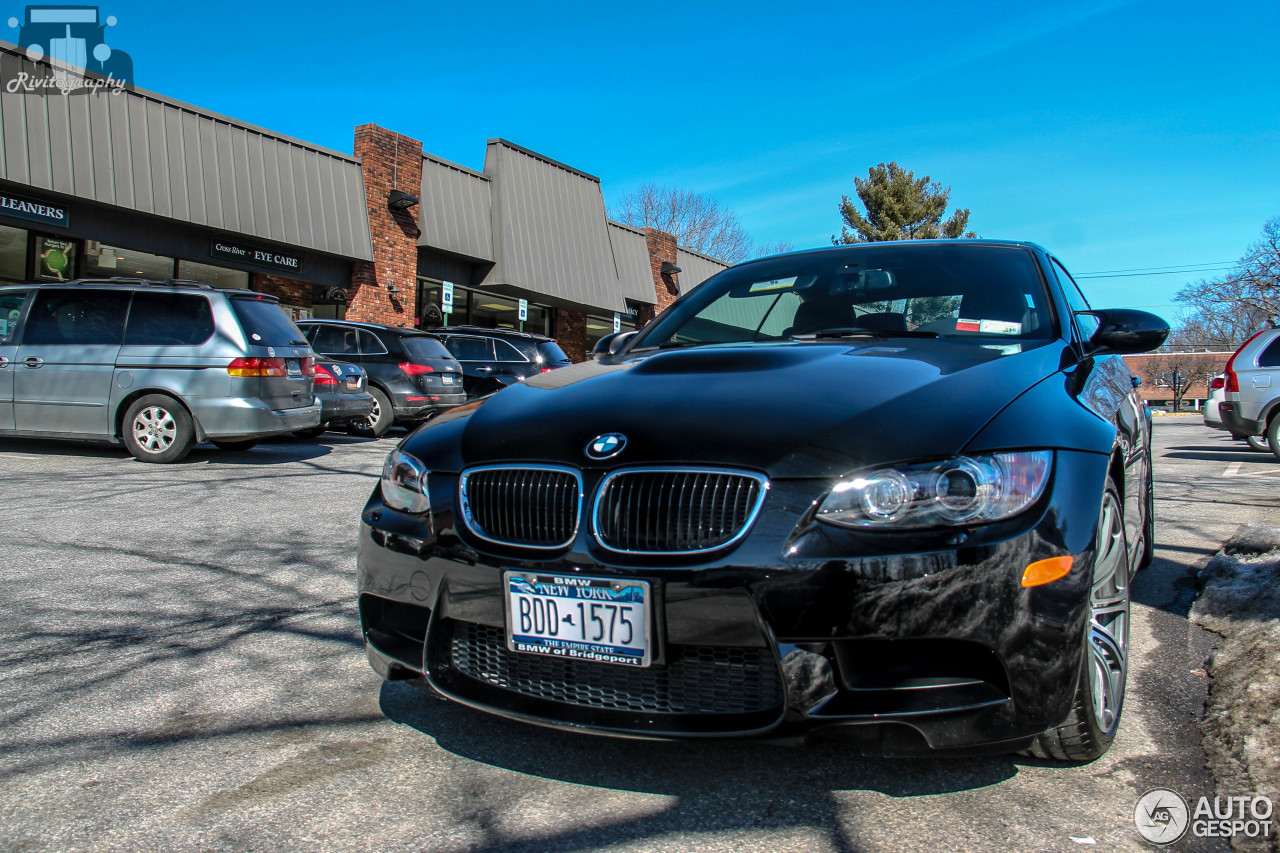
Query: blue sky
x: 1121, y: 135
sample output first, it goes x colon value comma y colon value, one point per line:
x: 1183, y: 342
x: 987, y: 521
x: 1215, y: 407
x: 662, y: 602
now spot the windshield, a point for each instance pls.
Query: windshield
x: 423, y: 347
x: 266, y: 324
x: 981, y: 293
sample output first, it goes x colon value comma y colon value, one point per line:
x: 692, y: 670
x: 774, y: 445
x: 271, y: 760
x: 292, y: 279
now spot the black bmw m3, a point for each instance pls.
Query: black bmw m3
x: 893, y: 492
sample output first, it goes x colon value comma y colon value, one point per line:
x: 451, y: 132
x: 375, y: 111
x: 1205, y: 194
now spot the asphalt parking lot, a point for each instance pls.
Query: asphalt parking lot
x: 182, y: 670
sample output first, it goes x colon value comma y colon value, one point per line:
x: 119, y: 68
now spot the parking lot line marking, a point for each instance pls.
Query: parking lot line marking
x: 1232, y: 470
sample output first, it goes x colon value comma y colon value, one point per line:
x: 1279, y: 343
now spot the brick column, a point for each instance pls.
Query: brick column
x: 662, y: 247
x: 389, y: 160
x: 571, y: 334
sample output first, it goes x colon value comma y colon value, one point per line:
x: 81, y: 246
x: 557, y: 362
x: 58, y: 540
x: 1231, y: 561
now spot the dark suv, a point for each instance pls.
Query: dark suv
x: 412, y: 377
x: 495, y: 358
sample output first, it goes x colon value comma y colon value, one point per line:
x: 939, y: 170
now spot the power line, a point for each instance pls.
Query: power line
x: 1137, y: 274
x: 1174, y: 267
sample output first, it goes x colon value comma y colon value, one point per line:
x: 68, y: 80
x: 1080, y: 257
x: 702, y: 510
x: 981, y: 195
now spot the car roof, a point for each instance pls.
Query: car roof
x: 485, y: 330
x: 135, y: 283
x: 844, y: 247
x: 373, y: 327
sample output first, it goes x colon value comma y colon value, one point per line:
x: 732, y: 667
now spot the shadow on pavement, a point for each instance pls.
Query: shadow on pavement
x: 718, y: 785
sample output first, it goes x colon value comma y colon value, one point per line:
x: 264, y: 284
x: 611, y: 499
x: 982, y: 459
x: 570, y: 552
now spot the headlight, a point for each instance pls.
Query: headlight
x: 966, y: 490
x: 404, y: 483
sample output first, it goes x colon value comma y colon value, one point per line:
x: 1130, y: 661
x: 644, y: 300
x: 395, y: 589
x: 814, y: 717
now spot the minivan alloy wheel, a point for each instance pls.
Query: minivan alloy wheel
x: 154, y: 429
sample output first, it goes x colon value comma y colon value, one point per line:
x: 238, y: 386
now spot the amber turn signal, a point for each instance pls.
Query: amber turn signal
x: 1044, y: 571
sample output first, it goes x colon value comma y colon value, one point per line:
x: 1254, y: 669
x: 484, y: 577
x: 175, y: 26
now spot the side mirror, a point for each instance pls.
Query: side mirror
x: 1126, y: 331
x: 611, y: 344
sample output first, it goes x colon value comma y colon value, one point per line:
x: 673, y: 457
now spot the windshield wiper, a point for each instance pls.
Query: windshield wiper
x: 865, y: 333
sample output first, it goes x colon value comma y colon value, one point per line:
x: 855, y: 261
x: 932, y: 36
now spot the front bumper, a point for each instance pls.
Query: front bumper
x: 903, y: 646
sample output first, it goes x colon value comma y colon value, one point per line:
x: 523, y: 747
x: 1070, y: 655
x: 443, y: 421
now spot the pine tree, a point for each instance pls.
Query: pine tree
x: 899, y: 207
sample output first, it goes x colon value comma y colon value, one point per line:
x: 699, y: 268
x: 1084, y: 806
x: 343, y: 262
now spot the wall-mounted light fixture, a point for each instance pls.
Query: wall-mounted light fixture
x: 669, y: 268
x: 391, y: 288
x: 400, y: 200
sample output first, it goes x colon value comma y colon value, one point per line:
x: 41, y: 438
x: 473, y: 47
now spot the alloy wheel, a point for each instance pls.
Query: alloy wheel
x: 154, y: 429
x: 1109, y: 617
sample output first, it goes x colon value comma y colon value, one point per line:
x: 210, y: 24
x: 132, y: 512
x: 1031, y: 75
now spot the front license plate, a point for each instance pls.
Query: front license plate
x: 596, y: 619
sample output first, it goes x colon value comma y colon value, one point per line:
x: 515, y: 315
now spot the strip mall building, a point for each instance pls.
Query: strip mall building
x: 136, y: 184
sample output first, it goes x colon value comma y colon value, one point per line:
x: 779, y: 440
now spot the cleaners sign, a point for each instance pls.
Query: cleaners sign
x: 255, y: 255
x: 34, y: 211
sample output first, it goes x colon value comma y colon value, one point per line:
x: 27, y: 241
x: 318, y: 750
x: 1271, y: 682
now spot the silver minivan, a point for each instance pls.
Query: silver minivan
x: 1251, y: 403
x: 157, y: 365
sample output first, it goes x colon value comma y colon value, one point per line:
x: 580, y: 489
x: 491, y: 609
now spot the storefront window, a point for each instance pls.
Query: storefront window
x: 13, y: 253
x: 55, y: 259
x: 217, y: 276
x: 494, y: 312
x: 103, y: 261
x: 597, y: 327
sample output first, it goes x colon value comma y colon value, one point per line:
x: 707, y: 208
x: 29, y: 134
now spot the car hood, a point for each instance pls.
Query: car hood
x: 791, y: 410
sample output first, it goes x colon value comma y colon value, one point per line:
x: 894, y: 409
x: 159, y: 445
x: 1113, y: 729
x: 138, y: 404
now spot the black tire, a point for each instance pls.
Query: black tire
x: 1259, y: 443
x: 156, y: 428
x: 235, y: 446
x: 1148, y: 554
x: 311, y: 432
x: 1273, y: 436
x: 1091, y: 726
x: 379, y: 422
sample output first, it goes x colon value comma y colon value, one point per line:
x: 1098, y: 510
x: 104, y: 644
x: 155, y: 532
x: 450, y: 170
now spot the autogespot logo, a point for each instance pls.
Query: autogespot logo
x: 606, y: 446
x: 1163, y: 817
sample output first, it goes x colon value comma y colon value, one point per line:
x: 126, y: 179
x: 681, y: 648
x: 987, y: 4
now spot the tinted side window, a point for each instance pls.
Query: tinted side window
x: 77, y: 317
x: 159, y: 319
x: 369, y: 344
x: 466, y: 348
x: 506, y: 352
x: 1270, y: 357
x: 334, y: 340
x: 10, y: 310
x: 1086, y: 325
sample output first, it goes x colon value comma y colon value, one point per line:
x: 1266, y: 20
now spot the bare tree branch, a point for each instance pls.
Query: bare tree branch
x: 1233, y: 308
x: 697, y: 221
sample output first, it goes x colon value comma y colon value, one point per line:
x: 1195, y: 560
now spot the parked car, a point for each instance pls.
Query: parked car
x: 341, y: 392
x: 1252, y: 389
x: 156, y: 365
x: 411, y: 376
x: 1212, y: 419
x: 492, y: 359
x: 894, y: 492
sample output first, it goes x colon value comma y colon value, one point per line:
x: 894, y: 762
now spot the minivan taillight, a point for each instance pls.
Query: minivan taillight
x: 309, y: 366
x: 254, y: 366
x: 1233, y: 381
x: 323, y: 376
x: 411, y: 369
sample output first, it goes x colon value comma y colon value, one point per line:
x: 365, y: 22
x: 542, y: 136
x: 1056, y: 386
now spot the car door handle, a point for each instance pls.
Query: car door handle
x: 484, y: 370
x: 32, y: 361
x: 4, y: 362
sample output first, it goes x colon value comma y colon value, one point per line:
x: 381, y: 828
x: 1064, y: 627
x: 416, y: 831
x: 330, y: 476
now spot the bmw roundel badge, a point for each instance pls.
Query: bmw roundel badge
x: 606, y: 446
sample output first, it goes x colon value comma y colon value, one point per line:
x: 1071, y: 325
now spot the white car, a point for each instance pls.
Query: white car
x: 1217, y: 391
